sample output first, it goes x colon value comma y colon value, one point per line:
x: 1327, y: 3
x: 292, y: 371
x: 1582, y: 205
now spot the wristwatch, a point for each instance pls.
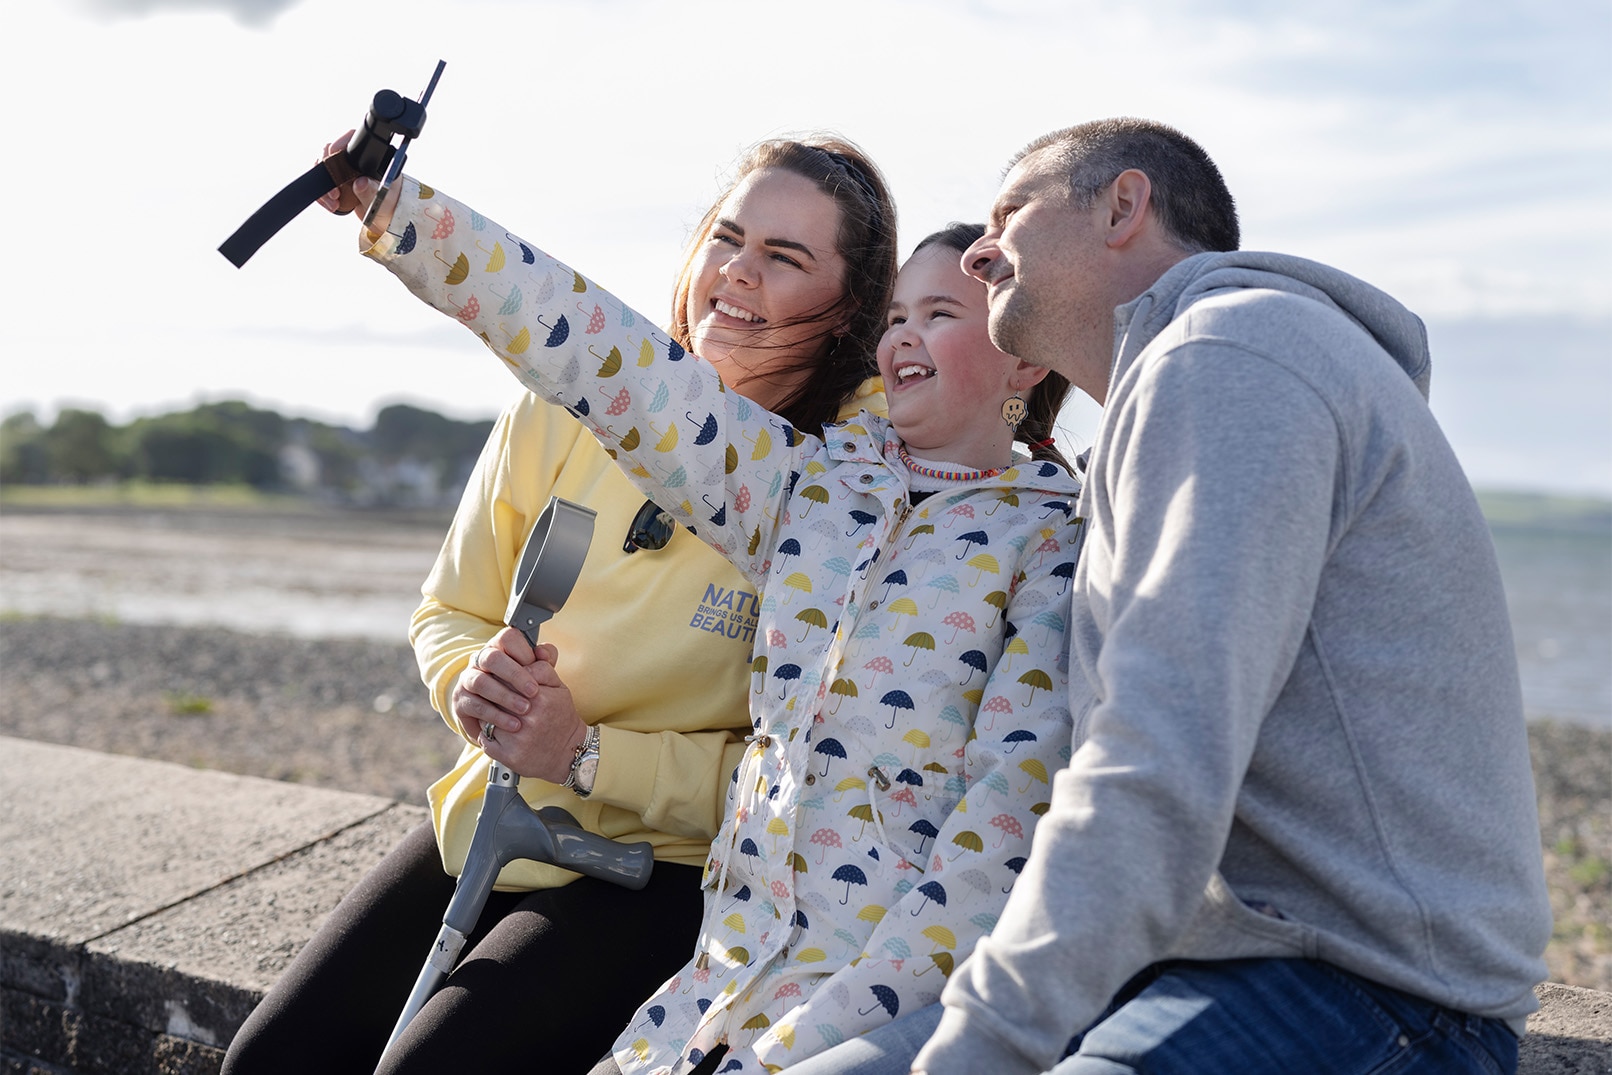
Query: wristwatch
x: 585, y: 764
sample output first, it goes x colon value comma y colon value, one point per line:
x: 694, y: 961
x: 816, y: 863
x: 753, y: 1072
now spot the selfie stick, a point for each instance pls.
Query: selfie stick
x: 369, y: 152
x: 508, y: 828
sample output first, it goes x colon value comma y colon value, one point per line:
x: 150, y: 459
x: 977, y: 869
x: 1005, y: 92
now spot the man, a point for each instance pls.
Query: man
x: 1300, y: 833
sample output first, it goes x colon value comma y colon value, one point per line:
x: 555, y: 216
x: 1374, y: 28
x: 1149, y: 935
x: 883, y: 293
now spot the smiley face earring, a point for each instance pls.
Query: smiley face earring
x: 1013, y: 411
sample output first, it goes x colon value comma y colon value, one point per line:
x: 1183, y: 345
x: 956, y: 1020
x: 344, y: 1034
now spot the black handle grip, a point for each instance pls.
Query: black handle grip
x: 276, y: 213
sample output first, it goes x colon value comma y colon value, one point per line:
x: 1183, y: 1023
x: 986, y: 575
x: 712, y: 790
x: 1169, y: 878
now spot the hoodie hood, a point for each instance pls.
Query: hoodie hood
x: 1397, y: 331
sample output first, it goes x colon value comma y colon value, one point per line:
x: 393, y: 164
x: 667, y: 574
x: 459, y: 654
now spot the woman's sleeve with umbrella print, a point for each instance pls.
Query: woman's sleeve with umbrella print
x: 1022, y: 734
x: 720, y: 464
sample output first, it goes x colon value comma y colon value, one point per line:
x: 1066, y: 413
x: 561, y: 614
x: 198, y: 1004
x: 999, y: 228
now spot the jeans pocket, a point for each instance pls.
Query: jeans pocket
x: 1488, y: 1045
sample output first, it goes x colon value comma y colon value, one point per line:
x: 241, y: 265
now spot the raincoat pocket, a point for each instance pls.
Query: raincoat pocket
x: 910, y: 815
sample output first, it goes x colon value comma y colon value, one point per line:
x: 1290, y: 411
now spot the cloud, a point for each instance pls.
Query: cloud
x: 254, y: 13
x: 1508, y: 55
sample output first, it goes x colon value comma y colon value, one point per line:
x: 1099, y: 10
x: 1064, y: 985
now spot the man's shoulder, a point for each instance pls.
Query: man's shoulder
x: 1294, y: 311
x: 1251, y: 315
x: 1302, y: 335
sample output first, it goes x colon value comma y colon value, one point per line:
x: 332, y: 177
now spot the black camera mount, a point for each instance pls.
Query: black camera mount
x: 369, y: 153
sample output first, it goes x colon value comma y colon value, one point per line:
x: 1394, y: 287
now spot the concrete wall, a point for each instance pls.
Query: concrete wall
x: 145, y: 907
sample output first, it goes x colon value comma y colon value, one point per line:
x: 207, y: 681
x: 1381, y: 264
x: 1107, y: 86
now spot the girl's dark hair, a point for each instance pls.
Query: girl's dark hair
x: 1048, y: 396
x: 867, y: 241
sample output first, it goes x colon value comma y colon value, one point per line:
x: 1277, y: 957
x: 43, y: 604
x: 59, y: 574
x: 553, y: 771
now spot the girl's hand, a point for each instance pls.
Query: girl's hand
x: 357, y: 195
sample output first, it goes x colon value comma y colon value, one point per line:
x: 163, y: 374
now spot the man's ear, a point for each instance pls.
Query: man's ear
x: 1128, y: 199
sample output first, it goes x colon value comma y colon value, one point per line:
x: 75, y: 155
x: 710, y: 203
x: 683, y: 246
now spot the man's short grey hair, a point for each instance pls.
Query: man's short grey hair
x: 1190, y: 198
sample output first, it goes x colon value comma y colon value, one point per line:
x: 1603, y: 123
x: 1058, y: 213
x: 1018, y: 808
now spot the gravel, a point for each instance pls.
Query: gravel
x: 335, y: 713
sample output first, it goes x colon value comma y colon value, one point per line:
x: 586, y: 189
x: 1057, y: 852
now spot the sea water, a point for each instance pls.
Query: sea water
x: 1559, y: 591
x: 1558, y: 580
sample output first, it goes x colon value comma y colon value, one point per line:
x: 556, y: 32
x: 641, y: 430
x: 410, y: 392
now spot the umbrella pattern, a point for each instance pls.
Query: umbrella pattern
x: 942, y: 585
x: 1009, y: 825
x: 924, y: 831
x: 876, y: 794
x: 826, y: 838
x: 897, y: 701
x: 959, y: 621
x: 1037, y: 771
x: 972, y: 538
x: 811, y: 617
x: 1036, y: 680
x: 843, y: 688
x: 1017, y: 736
x: 830, y: 748
x: 998, y: 600
x: 887, y: 999
x: 918, y: 640
x: 930, y: 890
x: 892, y: 580
x: 877, y: 665
x: 851, y: 876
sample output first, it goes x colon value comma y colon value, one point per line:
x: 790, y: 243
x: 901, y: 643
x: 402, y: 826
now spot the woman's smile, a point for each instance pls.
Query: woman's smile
x: 727, y: 309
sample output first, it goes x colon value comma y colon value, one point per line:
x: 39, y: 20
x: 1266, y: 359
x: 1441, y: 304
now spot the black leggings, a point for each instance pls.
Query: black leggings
x: 547, y: 981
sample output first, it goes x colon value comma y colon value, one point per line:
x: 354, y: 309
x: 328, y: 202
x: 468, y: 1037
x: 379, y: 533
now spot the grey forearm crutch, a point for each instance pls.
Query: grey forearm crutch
x: 508, y: 828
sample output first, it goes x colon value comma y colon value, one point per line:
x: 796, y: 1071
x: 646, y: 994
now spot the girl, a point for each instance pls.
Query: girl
x: 558, y: 964
x: 909, y: 686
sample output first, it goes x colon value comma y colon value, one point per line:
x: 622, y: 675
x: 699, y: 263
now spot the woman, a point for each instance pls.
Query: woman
x: 910, y: 698
x: 655, y: 641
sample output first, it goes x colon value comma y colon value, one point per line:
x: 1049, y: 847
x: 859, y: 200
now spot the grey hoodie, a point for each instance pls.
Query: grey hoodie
x: 1303, y: 690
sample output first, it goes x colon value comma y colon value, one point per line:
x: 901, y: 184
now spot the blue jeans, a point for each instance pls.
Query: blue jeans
x: 1249, y: 1017
x: 889, y: 1050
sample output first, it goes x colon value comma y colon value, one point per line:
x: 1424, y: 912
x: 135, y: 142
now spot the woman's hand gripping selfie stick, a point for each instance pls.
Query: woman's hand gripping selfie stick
x: 369, y: 152
x: 508, y: 828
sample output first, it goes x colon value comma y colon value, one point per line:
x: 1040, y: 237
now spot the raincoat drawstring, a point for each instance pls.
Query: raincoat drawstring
x: 882, y: 782
x: 746, y: 801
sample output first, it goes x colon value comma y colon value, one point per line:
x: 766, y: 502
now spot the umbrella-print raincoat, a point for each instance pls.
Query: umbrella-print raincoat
x: 909, y: 692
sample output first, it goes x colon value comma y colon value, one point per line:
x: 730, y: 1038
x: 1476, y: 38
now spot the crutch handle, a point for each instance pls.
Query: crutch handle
x: 592, y: 855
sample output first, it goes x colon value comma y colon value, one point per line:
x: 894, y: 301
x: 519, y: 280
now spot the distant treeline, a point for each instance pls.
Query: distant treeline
x: 409, y: 456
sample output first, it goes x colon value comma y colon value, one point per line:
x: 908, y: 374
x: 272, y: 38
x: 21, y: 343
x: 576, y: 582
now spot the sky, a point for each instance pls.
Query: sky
x: 1456, y: 154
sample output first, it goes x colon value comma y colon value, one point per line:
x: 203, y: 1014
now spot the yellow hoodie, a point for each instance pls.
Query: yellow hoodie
x: 655, y: 646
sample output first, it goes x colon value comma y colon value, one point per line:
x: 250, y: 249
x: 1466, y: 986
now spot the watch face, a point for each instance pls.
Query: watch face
x: 587, y: 768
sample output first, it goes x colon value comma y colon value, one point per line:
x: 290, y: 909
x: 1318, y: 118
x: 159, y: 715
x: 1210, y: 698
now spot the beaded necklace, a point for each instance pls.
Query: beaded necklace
x: 946, y: 475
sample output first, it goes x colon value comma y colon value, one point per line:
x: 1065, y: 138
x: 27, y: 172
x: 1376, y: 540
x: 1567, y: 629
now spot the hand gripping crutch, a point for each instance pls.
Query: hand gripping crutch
x: 508, y: 828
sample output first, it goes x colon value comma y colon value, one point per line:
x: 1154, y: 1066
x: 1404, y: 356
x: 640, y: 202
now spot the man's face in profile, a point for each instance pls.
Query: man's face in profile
x: 1041, y: 259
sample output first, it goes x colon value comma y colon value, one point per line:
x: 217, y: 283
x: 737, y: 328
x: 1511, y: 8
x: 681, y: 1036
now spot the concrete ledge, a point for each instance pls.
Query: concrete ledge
x: 146, y: 907
x: 1570, y: 1034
